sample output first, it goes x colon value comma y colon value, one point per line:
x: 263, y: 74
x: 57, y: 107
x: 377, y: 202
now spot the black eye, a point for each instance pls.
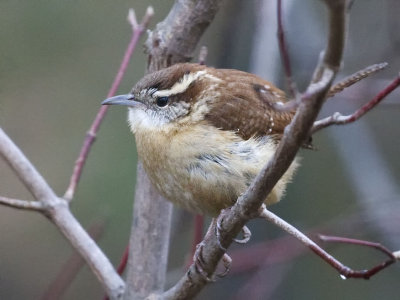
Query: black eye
x: 162, y: 101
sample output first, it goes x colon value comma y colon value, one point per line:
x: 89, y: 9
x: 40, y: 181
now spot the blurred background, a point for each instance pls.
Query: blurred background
x: 57, y: 61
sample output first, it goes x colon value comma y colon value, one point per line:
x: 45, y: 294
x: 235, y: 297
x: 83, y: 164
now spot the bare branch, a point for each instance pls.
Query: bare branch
x: 58, y: 212
x: 345, y: 272
x: 295, y: 135
x: 338, y: 119
x: 356, y: 77
x: 21, y: 204
x: 339, y: 239
x: 175, y: 38
x: 138, y: 30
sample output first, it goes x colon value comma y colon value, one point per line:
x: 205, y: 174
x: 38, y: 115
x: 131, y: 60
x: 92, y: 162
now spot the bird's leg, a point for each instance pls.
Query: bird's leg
x: 227, y: 261
x: 199, y: 262
x: 198, y: 259
x: 218, y: 228
x: 246, y: 236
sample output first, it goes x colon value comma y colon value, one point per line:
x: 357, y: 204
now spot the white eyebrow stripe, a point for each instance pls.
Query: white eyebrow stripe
x: 181, y: 85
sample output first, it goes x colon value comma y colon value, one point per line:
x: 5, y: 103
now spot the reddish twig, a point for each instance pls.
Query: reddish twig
x: 285, y: 248
x: 91, y: 134
x: 339, y: 239
x: 284, y: 53
x: 124, y: 261
x: 370, y: 272
x: 338, y: 119
x: 345, y: 272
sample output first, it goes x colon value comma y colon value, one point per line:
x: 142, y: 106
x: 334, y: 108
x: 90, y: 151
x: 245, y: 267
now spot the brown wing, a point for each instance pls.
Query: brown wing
x: 248, y: 106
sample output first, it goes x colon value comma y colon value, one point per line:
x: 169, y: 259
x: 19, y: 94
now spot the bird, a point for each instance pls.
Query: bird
x: 203, y: 134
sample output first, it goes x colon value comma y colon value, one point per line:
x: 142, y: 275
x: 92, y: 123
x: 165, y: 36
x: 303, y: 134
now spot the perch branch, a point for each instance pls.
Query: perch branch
x: 246, y: 207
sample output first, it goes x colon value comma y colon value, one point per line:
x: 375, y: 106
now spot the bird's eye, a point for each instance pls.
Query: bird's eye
x: 162, y: 101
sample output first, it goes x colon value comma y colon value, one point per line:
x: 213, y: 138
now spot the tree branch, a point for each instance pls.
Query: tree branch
x: 175, y: 38
x: 345, y: 272
x: 57, y: 210
x: 356, y: 77
x: 295, y: 135
x: 338, y: 119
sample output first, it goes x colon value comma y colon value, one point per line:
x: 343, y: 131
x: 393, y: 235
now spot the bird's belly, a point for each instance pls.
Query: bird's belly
x: 208, y: 171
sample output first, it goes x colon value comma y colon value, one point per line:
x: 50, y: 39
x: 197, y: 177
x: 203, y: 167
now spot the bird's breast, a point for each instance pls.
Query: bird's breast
x: 202, y: 168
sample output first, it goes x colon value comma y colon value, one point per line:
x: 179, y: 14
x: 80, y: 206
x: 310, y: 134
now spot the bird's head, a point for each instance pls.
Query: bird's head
x: 172, y: 95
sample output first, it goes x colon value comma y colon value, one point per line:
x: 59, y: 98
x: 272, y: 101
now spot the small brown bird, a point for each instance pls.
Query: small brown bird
x: 203, y: 134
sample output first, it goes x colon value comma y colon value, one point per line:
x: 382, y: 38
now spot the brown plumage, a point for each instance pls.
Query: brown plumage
x: 203, y: 134
x: 245, y: 110
x: 244, y: 105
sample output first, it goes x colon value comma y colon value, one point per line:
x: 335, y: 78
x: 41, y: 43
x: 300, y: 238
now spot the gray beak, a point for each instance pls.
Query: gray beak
x: 127, y: 100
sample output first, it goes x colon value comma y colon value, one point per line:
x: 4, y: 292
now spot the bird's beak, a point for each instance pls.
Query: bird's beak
x: 128, y: 100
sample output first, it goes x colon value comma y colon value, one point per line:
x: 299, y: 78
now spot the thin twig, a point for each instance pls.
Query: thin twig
x: 22, y: 204
x: 338, y: 119
x: 283, y: 50
x: 343, y: 240
x: 285, y: 248
x: 344, y: 271
x: 138, y: 30
x: 356, y: 77
x: 124, y: 261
